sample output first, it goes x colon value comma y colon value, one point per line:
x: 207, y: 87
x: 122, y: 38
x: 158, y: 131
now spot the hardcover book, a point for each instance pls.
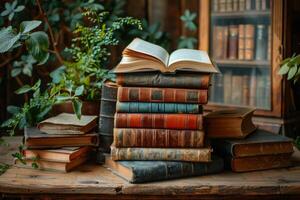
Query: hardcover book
x: 144, y: 107
x: 171, y: 154
x: 261, y: 42
x: 249, y: 41
x: 159, y: 121
x: 140, y: 56
x: 147, y: 171
x: 233, y: 42
x: 217, y: 43
x: 66, y: 123
x: 154, y: 79
x: 162, y: 95
x: 258, y: 143
x: 159, y: 138
x: 229, y: 123
x: 34, y: 138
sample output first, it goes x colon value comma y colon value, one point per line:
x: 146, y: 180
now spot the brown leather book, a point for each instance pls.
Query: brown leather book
x: 246, y: 90
x: 249, y: 41
x: 229, y: 123
x: 66, y: 123
x: 225, y: 41
x: 227, y: 86
x: 159, y: 138
x: 233, y: 42
x: 218, y: 42
x: 236, y: 90
x: 257, y: 163
x: 222, y: 5
x: 166, y: 95
x: 241, y: 42
x: 164, y: 121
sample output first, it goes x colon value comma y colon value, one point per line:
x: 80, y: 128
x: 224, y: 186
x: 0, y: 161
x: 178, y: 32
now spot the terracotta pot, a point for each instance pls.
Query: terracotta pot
x: 88, y: 108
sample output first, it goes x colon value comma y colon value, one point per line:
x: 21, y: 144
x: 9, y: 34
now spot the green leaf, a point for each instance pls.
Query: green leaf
x: 7, y: 39
x: 292, y: 72
x: 284, y: 69
x: 79, y: 90
x: 27, y: 26
x: 13, y: 109
x: 37, y: 45
x: 34, y: 165
x: 24, y: 89
x: 11, y: 16
x: 15, y: 72
x: 19, y: 8
x: 40, y: 116
x: 57, y: 74
x: 61, y: 98
x: 77, y: 105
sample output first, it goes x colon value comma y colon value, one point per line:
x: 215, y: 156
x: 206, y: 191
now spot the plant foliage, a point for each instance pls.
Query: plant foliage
x: 290, y: 67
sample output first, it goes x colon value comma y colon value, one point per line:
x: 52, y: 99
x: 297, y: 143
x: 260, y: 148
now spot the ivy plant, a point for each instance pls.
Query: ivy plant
x: 290, y: 67
x: 188, y: 18
x: 11, y: 9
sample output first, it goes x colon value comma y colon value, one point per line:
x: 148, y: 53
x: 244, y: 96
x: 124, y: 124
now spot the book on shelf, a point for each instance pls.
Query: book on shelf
x: 264, y: 4
x: 107, y: 111
x: 158, y: 138
x: 258, y: 4
x: 162, y: 95
x: 217, y: 42
x: 51, y: 165
x: 248, y: 5
x: 163, y: 154
x: 229, y: 123
x: 34, y: 138
x: 227, y: 76
x: 249, y: 41
x: 260, y: 90
x: 219, y: 88
x: 261, y: 42
x: 245, y: 89
x: 235, y: 5
x: 236, y: 91
x: 233, y: 42
x: 65, y: 154
x: 269, y: 43
x: 225, y: 31
x: 242, y: 4
x: 155, y: 79
x: 222, y: 5
x: 147, y: 171
x: 260, y: 142
x: 159, y: 121
x: 252, y: 99
x: 229, y: 4
x: 257, y: 163
x: 150, y: 107
x: 141, y: 56
x: 66, y: 123
x: 215, y: 5
x: 241, y: 42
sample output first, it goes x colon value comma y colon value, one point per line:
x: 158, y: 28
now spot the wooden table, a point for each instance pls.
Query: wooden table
x: 95, y: 182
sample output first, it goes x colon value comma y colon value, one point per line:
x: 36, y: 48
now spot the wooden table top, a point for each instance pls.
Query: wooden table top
x: 95, y: 180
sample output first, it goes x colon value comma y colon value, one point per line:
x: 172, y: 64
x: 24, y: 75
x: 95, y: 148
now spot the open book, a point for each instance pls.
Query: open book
x: 141, y: 56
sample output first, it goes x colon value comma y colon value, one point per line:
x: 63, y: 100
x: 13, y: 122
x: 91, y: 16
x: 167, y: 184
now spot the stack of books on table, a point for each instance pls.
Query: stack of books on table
x: 243, y: 147
x: 59, y: 143
x: 158, y: 131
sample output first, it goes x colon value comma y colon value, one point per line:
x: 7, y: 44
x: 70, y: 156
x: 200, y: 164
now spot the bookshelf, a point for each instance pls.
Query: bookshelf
x: 248, y: 45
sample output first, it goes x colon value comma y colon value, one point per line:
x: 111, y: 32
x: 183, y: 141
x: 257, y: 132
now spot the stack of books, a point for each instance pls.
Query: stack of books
x: 59, y: 143
x: 243, y: 147
x: 158, y: 131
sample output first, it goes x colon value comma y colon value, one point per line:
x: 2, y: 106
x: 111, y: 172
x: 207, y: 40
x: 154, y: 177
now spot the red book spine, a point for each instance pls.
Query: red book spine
x: 165, y: 95
x: 163, y: 121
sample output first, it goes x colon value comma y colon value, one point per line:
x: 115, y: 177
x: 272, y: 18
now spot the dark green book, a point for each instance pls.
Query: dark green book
x: 147, y: 171
x: 148, y: 107
x: 258, y: 143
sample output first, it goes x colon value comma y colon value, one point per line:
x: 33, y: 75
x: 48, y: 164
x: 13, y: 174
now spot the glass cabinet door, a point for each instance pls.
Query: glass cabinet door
x: 240, y: 45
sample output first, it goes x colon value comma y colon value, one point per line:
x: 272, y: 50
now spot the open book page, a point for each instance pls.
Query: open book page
x: 144, y: 47
x: 189, y: 55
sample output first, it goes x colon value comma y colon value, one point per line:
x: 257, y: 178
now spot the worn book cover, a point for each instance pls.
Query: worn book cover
x: 147, y: 171
x: 260, y: 142
x: 66, y: 123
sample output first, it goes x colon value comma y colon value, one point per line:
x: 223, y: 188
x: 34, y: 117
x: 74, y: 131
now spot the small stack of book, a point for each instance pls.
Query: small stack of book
x: 59, y: 143
x: 243, y: 147
x: 158, y: 132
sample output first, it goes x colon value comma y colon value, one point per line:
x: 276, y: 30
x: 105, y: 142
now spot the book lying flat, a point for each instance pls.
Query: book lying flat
x: 65, y: 154
x: 147, y: 171
x: 141, y: 56
x: 229, y: 123
x: 260, y: 142
x: 170, y: 154
x: 66, y: 123
x: 34, y: 138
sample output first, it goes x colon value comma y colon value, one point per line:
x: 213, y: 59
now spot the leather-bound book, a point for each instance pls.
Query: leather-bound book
x: 159, y: 138
x: 222, y: 5
x: 246, y: 90
x: 235, y: 5
x: 242, y: 5
x: 160, y: 121
x: 227, y: 86
x: 236, y: 90
x: 261, y: 42
x: 147, y: 171
x: 170, y: 154
x: 252, y: 100
x: 225, y: 42
x: 163, y: 95
x: 229, y: 5
x: 249, y: 41
x: 258, y: 143
x: 154, y: 79
x: 233, y: 42
x: 241, y: 42
x: 229, y: 123
x: 215, y: 5
x: 218, y: 44
x: 144, y: 107
x: 107, y: 111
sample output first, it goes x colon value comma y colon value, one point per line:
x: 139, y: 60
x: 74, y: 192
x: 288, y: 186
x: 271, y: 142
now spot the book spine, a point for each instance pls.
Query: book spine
x: 222, y: 5
x: 141, y: 107
x: 225, y: 42
x: 248, y: 4
x: 215, y: 6
x: 249, y: 41
x: 180, y: 80
x: 229, y: 5
x: 172, y: 169
x: 236, y: 97
x: 257, y: 4
x: 233, y: 42
x: 159, y: 138
x: 235, y: 5
x: 246, y: 89
x: 241, y: 5
x: 253, y: 87
x: 269, y: 43
x: 106, y: 118
x: 169, y: 154
x: 219, y: 88
x: 218, y: 42
x: 263, y: 4
x: 164, y: 95
x: 259, y: 163
x: 241, y: 48
x: 164, y: 121
x: 227, y: 86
